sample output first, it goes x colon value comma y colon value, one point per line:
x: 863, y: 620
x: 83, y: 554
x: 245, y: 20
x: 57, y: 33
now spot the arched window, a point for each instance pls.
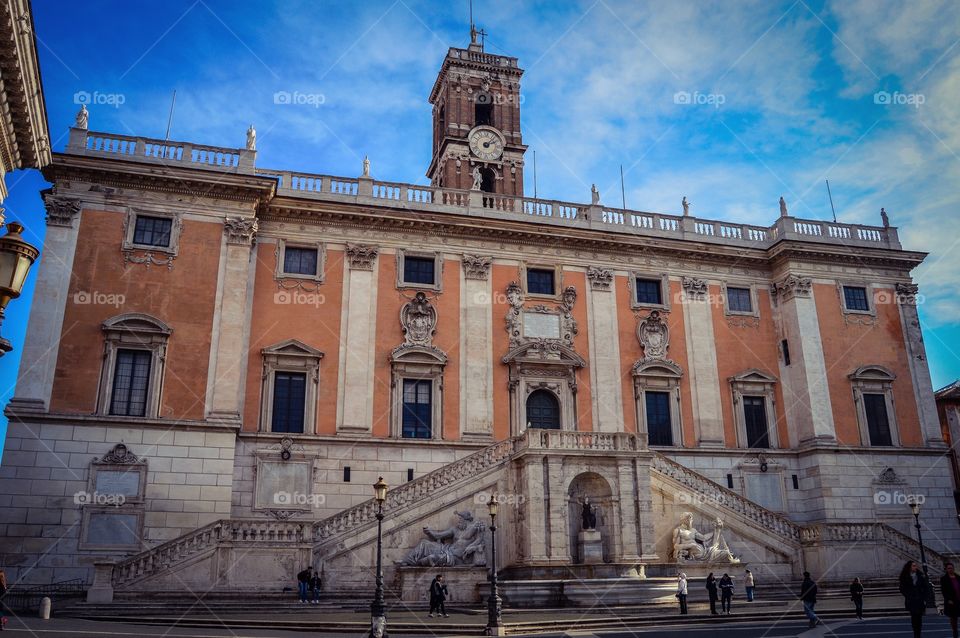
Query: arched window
x: 488, y: 183
x: 483, y: 109
x: 543, y: 410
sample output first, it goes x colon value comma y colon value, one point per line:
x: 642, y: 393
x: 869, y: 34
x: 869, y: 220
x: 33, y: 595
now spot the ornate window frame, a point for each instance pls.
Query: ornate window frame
x: 133, y: 331
x: 658, y: 375
x: 871, y: 310
x: 290, y: 356
x: 754, y: 299
x: 420, y: 363
x: 130, y: 226
x: 557, y: 279
x: 436, y: 256
x: 754, y: 382
x: 664, y: 290
x: 318, y: 277
x: 874, y: 379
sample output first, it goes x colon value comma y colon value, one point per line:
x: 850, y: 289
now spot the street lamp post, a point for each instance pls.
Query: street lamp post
x: 16, y: 257
x: 915, y: 508
x: 378, y: 613
x: 494, y: 603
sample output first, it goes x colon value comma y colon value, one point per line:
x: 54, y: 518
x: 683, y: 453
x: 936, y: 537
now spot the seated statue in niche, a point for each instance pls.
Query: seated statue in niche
x: 459, y: 545
x: 690, y: 545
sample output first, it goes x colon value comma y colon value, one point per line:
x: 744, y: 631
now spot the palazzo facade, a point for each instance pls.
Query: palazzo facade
x: 222, y: 358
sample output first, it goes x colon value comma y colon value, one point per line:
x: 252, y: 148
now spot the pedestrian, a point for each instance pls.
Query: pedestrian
x: 303, y: 583
x: 682, y: 593
x: 916, y: 590
x: 315, y: 584
x: 808, y: 594
x: 438, y: 594
x: 748, y: 585
x: 3, y: 592
x: 726, y: 593
x: 856, y: 595
x: 950, y: 590
x: 712, y: 593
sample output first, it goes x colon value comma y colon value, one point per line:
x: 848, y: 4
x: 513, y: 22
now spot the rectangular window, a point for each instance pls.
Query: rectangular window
x: 131, y: 379
x: 419, y: 270
x: 152, y: 231
x: 346, y: 473
x: 855, y: 298
x: 878, y: 425
x: 785, y: 346
x: 417, y: 409
x: 289, y: 401
x: 540, y: 281
x: 755, y: 420
x: 300, y: 261
x: 659, y: 427
x: 738, y: 300
x: 649, y: 291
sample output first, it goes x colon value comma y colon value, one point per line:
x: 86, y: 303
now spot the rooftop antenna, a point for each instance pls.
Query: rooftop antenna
x: 534, y: 174
x: 623, y: 193
x: 474, y: 32
x: 173, y: 102
x: 830, y: 195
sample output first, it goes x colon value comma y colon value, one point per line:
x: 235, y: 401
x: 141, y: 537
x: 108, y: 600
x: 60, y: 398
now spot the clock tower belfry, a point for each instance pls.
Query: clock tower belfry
x: 476, y: 122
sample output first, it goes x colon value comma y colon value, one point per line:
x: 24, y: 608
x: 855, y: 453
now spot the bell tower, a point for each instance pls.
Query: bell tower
x: 476, y: 122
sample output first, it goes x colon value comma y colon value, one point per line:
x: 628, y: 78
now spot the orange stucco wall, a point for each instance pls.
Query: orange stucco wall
x: 315, y: 324
x: 182, y: 297
x: 742, y: 348
x: 848, y: 345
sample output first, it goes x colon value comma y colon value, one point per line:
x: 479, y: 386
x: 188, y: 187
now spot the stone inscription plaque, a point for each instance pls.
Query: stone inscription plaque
x: 764, y: 489
x: 284, y: 485
x: 538, y: 325
x: 118, y: 483
x: 112, y: 529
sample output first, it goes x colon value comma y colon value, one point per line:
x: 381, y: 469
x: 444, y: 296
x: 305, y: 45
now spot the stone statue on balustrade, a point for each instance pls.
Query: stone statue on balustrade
x: 690, y: 545
x: 251, y: 138
x: 477, y: 178
x: 594, y: 195
x: 686, y: 206
x: 783, y: 207
x: 83, y: 117
x: 460, y: 545
x: 366, y: 167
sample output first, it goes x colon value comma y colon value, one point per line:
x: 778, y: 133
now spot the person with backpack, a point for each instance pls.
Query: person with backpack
x: 808, y: 594
x: 438, y: 594
x: 726, y: 593
x: 303, y: 583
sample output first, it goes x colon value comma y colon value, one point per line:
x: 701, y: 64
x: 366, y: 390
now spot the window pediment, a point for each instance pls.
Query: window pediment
x: 292, y: 348
x: 657, y: 368
x: 545, y: 352
x: 752, y: 376
x: 136, y: 323
x: 872, y: 373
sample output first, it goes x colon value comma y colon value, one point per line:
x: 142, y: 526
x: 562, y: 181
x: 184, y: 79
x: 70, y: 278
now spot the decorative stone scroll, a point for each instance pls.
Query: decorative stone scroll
x: 120, y: 454
x: 907, y: 294
x: 792, y: 286
x: 889, y: 477
x: 362, y: 256
x: 695, y: 288
x: 520, y: 320
x: 61, y: 211
x: 418, y: 318
x: 477, y: 266
x: 241, y: 231
x: 600, y: 278
x: 654, y: 336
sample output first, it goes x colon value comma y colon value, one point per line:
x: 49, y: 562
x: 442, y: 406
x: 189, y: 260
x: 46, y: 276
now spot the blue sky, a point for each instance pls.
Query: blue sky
x: 785, y: 95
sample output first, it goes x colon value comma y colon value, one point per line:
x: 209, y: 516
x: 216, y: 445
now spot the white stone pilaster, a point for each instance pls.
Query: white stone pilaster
x: 919, y: 371
x: 806, y: 394
x: 702, y: 357
x: 38, y: 361
x: 604, y: 342
x: 476, y: 348
x: 228, y: 341
x: 358, y: 330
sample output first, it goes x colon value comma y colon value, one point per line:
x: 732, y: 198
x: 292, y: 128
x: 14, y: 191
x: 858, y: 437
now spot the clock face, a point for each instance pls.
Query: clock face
x: 486, y: 143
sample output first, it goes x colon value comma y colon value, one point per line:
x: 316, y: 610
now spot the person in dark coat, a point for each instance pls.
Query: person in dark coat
x: 916, y: 590
x: 856, y: 595
x: 315, y: 584
x: 712, y: 593
x: 3, y: 592
x: 438, y: 594
x: 950, y: 590
x: 808, y: 594
x: 303, y: 583
x: 726, y: 593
